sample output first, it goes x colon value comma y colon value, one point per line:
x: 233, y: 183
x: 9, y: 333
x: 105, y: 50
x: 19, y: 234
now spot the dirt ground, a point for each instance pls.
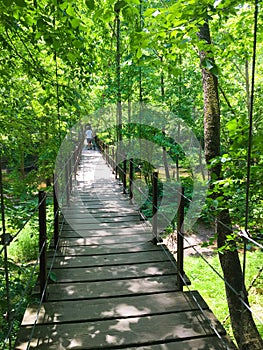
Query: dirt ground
x: 194, y: 240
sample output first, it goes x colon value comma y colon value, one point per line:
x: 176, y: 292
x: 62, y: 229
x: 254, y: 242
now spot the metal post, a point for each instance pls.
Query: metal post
x: 113, y: 160
x: 131, y: 178
x: 117, y: 162
x: 155, y: 204
x: 56, y: 216
x: 70, y: 173
x: 180, y: 240
x: 75, y: 162
x: 107, y: 154
x: 67, y: 182
x: 42, y: 243
x: 124, y: 175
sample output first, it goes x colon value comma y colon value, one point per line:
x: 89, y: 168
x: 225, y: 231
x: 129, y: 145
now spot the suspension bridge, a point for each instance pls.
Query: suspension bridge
x: 112, y: 284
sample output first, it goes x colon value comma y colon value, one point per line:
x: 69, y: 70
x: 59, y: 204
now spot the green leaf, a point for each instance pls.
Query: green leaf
x: 75, y: 23
x: 119, y: 5
x: 90, y: 4
x: 77, y: 43
x: 98, y: 14
x: 63, y: 6
x: 53, y: 277
x: 56, y: 44
x: 70, y: 11
x: 149, y: 12
x: 107, y: 16
x: 232, y: 125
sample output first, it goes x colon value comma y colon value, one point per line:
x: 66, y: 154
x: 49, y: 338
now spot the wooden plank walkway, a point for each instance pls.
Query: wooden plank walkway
x: 114, y: 288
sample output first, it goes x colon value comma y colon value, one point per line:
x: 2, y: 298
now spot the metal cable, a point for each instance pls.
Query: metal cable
x: 23, y: 296
x: 26, y: 287
x: 244, y: 234
x: 212, y: 217
x: 250, y: 137
x: 44, y: 291
x: 194, y: 298
x: 222, y: 278
x: 24, y: 225
x: 203, y: 313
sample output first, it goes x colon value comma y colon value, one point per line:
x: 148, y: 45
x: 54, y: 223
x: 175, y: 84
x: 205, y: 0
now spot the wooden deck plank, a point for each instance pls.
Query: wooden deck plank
x: 98, y: 226
x: 105, y: 219
x: 132, y: 331
x: 103, y: 232
x: 110, y: 259
x: 105, y: 289
x: 102, y: 214
x: 206, y: 343
x: 107, y: 240
x: 99, y: 273
x: 111, y: 308
x: 69, y: 249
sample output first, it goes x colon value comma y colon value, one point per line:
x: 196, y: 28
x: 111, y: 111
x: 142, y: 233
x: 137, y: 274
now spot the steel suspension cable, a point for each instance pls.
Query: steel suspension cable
x: 7, y: 286
x: 28, y: 284
x: 250, y: 133
x: 223, y: 279
x: 11, y: 239
x: 43, y: 293
x: 22, y: 297
x: 195, y: 301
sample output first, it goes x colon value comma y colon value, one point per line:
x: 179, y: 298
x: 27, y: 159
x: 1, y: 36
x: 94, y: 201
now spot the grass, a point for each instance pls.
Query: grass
x: 212, y: 289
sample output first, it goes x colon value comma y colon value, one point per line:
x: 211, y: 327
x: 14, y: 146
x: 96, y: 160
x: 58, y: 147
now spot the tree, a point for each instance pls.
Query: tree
x: 244, y: 328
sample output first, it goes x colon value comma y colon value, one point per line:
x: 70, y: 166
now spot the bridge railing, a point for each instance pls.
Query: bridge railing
x: 48, y: 231
x: 125, y: 172
x: 36, y: 279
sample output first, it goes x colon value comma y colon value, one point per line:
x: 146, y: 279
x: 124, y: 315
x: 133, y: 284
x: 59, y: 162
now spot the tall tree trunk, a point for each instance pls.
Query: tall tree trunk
x: 243, y: 325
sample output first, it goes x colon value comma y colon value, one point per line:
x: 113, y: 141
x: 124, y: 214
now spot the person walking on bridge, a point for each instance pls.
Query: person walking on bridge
x: 90, y: 138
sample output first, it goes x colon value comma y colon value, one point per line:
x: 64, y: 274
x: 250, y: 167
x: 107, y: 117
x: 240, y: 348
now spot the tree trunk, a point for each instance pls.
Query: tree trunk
x: 244, y: 328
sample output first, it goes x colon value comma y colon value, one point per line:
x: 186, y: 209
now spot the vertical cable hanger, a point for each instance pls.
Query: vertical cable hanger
x: 250, y: 135
x: 118, y: 75
x: 56, y: 73
x: 4, y: 241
